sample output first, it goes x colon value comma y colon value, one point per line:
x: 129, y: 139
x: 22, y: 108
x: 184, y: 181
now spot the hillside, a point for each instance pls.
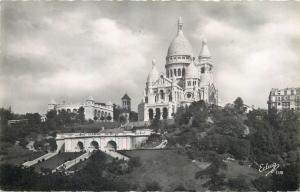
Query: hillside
x: 166, y: 167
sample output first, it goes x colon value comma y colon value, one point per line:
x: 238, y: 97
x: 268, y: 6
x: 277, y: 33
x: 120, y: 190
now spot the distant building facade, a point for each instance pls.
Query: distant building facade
x: 92, y: 109
x: 287, y: 98
x: 187, y: 79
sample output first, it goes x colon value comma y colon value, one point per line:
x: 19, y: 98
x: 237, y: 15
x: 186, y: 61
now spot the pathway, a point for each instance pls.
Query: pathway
x: 71, y: 163
x: 44, y: 157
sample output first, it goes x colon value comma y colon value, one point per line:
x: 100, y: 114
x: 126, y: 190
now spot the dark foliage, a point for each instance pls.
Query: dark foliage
x: 152, y: 186
x: 238, y: 184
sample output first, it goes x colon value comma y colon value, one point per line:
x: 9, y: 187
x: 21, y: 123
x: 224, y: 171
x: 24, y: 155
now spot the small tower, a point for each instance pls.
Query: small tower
x: 90, y: 101
x: 126, y: 102
x: 205, y: 66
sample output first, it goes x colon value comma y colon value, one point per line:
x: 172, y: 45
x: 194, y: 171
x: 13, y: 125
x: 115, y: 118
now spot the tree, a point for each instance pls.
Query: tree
x: 239, y: 105
x: 133, y: 116
x: 182, y: 117
x: 122, y: 119
x: 165, y: 113
x: 81, y: 117
x: 108, y: 118
x: 102, y: 118
x: 152, y: 186
x: 216, y: 180
x: 116, y: 112
x: 95, y: 118
x: 238, y: 184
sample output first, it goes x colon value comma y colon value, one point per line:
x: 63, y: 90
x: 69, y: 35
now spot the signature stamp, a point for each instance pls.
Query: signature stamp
x: 270, y: 169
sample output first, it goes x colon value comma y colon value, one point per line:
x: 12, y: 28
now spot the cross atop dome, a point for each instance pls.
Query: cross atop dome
x: 153, y: 63
x: 180, y: 24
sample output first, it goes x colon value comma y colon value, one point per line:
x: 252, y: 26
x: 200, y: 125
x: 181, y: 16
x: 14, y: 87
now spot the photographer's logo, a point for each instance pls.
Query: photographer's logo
x: 269, y: 168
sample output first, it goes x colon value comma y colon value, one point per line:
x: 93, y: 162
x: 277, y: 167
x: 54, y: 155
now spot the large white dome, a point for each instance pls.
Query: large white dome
x: 180, y: 45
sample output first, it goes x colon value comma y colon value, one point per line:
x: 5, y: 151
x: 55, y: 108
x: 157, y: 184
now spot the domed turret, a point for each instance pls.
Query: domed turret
x: 90, y: 98
x: 109, y: 103
x: 180, y: 46
x: 52, y: 102
x: 204, y: 52
x: 154, y: 74
x: 191, y: 71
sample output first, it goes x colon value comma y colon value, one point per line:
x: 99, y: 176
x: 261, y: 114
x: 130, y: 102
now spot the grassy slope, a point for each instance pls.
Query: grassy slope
x: 17, y: 155
x: 82, y: 164
x: 166, y: 167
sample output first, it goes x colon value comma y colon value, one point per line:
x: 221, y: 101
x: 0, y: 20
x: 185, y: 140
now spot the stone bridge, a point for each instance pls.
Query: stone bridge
x: 107, y: 139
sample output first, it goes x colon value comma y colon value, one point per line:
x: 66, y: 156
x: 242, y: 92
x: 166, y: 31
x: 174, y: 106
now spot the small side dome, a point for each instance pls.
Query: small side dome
x: 191, y: 71
x: 52, y: 102
x: 154, y: 74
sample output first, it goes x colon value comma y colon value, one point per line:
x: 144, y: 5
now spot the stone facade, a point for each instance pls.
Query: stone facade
x: 115, y: 139
x: 287, y: 98
x: 91, y: 109
x: 186, y: 80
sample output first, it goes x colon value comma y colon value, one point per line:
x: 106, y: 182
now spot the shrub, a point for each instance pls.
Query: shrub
x: 180, y: 188
x: 152, y: 186
x: 238, y: 184
x: 134, y: 162
x: 263, y: 183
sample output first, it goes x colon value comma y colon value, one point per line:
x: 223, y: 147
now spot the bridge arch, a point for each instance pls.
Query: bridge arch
x: 94, y: 145
x: 80, y: 146
x: 111, y: 145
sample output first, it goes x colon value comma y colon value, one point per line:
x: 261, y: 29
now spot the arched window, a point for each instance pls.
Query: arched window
x: 150, y: 114
x: 171, y: 75
x: 157, y: 113
x: 170, y: 97
x: 179, y: 72
x: 161, y: 92
x: 165, y: 113
x: 202, y: 69
x: 167, y: 73
x: 175, y: 74
x: 183, y: 71
x: 146, y: 99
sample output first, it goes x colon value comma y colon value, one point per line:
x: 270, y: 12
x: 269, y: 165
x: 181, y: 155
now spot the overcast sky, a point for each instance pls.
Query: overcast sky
x: 70, y: 50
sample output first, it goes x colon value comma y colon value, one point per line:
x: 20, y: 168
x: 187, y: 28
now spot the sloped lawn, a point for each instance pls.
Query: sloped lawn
x: 166, y: 167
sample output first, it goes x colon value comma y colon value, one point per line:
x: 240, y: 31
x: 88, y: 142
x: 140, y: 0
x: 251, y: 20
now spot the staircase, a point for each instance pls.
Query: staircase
x: 67, y: 165
x: 44, y: 157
